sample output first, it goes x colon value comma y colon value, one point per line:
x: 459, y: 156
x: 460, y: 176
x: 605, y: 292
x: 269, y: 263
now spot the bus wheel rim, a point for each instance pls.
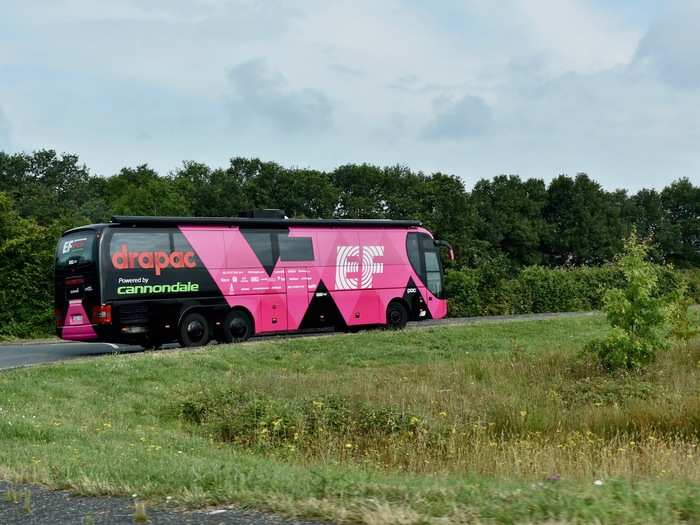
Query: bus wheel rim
x: 238, y: 328
x: 195, y: 330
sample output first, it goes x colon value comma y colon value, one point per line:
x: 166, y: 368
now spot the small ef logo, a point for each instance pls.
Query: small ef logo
x: 354, y: 271
x: 73, y: 244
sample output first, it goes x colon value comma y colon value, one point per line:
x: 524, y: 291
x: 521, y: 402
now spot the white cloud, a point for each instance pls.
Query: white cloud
x: 530, y: 87
x: 670, y: 47
x: 576, y: 36
x: 262, y: 97
x: 467, y: 117
x: 185, y: 46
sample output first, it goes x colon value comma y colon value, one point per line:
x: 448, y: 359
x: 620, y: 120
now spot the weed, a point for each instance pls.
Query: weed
x: 11, y: 496
x: 140, y: 515
x: 27, y: 502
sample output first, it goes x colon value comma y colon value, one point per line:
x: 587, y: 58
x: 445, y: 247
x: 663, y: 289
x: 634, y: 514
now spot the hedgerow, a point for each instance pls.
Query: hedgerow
x: 486, y: 290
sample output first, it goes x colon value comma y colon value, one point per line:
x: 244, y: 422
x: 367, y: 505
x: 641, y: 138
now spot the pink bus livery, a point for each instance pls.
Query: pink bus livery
x: 152, y: 280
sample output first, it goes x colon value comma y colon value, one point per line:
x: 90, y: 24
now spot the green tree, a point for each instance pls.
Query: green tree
x: 26, y: 273
x: 509, y: 216
x: 639, y: 314
x: 447, y: 210
x: 193, y: 183
x: 680, y: 235
x: 141, y: 191
x: 362, y: 191
x: 309, y: 193
x: 45, y: 185
x: 586, y: 224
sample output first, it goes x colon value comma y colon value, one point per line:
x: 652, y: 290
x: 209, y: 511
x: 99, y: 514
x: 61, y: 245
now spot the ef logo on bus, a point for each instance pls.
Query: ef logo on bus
x: 349, y: 261
x: 126, y: 260
x: 74, y: 244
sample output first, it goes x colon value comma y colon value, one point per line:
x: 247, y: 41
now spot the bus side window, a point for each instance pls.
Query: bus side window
x: 140, y: 241
x: 414, y: 254
x: 295, y: 248
x: 261, y: 242
x: 180, y: 244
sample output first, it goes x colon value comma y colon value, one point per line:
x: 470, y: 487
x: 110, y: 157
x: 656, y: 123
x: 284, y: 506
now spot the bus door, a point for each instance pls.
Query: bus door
x: 274, y: 302
x: 424, y: 257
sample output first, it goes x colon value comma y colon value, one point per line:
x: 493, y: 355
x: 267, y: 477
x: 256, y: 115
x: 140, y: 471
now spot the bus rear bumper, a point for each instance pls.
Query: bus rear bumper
x: 76, y: 326
x: 84, y: 332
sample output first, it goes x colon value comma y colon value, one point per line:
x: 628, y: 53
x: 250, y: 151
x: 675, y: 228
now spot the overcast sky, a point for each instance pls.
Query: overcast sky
x: 474, y: 88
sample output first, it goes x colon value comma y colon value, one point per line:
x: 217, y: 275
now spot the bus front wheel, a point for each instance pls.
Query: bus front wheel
x: 193, y: 330
x: 238, y: 327
x: 396, y: 315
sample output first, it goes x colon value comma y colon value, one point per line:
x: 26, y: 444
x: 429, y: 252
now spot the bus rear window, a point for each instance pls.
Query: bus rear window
x: 75, y: 249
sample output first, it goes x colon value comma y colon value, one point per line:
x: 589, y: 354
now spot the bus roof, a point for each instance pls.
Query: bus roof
x: 139, y: 220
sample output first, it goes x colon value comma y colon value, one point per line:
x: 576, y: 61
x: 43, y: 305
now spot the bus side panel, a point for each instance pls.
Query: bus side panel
x: 240, y: 276
x: 333, y: 247
x: 363, y: 270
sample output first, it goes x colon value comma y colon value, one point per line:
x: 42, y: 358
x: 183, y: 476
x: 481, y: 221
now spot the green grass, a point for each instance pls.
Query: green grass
x: 461, y: 423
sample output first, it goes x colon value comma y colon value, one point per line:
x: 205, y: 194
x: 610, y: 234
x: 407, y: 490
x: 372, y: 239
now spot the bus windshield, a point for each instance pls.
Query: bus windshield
x: 425, y: 259
x: 75, y: 249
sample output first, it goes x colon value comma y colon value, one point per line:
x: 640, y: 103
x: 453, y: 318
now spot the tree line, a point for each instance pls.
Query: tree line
x: 570, y: 221
x: 522, y: 245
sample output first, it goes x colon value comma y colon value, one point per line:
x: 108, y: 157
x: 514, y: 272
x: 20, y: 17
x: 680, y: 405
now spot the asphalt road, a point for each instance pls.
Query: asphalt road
x: 60, y: 507
x: 27, y: 354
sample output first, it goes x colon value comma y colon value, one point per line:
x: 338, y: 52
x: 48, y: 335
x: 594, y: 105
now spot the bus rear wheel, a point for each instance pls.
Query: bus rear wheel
x: 193, y: 330
x: 396, y: 315
x: 238, y: 327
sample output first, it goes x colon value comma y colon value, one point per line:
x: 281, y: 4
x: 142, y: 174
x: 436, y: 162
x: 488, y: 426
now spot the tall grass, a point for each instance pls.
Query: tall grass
x: 514, y: 415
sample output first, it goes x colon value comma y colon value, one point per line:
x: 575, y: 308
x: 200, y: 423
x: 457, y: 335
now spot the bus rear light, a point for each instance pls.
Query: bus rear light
x: 57, y: 317
x: 74, y: 281
x: 102, y: 314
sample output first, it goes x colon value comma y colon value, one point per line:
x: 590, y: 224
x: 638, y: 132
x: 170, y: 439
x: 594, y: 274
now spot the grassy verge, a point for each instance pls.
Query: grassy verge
x: 495, y: 423
x: 10, y: 340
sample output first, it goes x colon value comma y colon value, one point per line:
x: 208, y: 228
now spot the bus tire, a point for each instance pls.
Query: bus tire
x: 238, y: 326
x: 193, y: 330
x: 396, y: 315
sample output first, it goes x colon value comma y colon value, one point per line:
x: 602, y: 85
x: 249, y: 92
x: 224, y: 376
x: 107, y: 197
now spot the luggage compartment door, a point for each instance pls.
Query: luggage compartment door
x: 297, y: 281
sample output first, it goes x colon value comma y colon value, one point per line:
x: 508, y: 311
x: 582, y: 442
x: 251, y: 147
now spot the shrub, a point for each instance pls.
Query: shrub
x: 26, y: 274
x: 462, y: 289
x: 640, y: 311
x: 258, y: 420
x: 551, y: 290
x: 692, y: 279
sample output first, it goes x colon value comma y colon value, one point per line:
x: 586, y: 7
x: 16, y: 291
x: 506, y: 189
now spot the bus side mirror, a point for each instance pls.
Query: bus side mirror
x: 445, y: 244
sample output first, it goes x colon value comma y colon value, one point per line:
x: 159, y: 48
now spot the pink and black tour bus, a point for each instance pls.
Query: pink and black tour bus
x: 152, y: 280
